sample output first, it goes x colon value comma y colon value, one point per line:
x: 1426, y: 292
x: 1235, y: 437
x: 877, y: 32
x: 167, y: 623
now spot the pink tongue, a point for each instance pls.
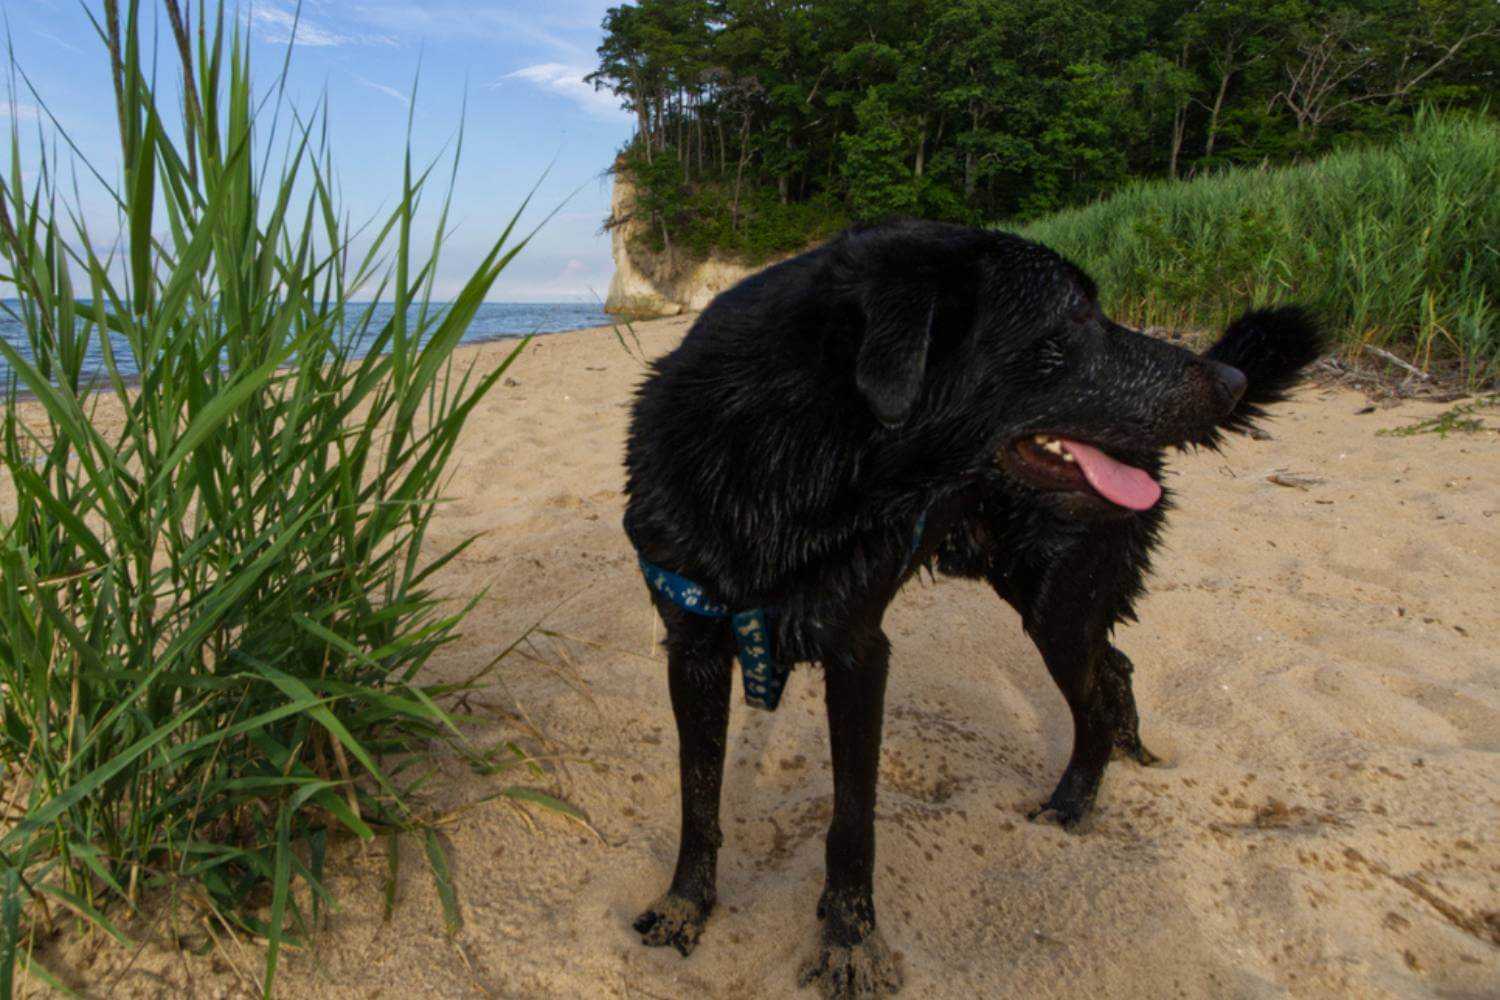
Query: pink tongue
x: 1115, y: 481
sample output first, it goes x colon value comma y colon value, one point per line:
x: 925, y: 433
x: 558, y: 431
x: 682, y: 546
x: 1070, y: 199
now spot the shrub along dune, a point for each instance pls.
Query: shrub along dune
x: 1398, y: 246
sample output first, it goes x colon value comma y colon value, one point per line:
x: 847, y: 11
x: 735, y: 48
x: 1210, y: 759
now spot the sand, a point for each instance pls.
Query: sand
x: 1319, y: 666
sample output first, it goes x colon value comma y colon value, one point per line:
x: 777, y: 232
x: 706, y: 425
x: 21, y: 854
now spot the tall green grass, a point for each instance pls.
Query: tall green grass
x: 214, y: 606
x: 1398, y: 247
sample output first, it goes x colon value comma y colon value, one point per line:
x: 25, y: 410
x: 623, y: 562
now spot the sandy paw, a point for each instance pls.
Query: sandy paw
x: 1136, y: 751
x: 1072, y: 801
x: 672, y: 920
x: 1069, y: 813
x: 854, y: 972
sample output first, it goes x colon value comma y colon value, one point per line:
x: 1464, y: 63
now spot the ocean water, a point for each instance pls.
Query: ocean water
x: 494, y: 321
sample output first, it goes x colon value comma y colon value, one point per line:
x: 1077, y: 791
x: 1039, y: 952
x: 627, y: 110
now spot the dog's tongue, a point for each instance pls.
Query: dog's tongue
x: 1115, y: 481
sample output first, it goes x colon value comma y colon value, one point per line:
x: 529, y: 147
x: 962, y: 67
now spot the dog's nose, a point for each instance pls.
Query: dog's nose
x: 1229, y: 383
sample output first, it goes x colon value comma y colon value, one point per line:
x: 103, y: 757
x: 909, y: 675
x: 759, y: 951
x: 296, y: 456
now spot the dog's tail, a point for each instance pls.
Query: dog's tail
x: 1271, y: 346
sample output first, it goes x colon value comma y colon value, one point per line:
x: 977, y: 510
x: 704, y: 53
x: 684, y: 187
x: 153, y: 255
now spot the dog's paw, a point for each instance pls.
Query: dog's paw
x: 860, y: 971
x: 1136, y: 750
x: 1068, y: 815
x: 1068, y: 807
x: 1072, y: 801
x: 675, y: 921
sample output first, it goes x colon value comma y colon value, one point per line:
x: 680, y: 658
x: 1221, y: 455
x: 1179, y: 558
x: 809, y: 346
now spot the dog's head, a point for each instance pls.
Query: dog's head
x: 986, y: 342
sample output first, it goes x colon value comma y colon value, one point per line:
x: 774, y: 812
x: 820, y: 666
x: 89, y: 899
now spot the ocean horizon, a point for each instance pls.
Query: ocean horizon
x: 492, y: 321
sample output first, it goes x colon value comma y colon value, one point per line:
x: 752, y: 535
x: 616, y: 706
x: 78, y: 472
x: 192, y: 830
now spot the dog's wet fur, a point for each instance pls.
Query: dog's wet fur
x: 783, y: 455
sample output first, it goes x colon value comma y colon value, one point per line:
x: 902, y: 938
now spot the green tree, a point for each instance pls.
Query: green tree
x: 874, y: 162
x: 993, y: 109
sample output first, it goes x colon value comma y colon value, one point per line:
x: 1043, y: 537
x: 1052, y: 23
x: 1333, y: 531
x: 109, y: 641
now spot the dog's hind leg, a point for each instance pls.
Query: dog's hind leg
x: 699, y: 653
x: 853, y: 959
x: 1119, y: 700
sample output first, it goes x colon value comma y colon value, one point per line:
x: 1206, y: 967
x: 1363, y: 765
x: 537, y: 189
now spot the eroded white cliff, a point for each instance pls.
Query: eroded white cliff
x: 658, y: 286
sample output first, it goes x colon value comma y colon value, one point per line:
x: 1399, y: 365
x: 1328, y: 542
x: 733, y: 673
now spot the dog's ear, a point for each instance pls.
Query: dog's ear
x: 893, y: 355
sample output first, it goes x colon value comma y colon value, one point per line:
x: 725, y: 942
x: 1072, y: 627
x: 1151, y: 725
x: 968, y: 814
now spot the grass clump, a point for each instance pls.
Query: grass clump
x: 1397, y: 246
x: 214, y: 606
x: 1457, y: 419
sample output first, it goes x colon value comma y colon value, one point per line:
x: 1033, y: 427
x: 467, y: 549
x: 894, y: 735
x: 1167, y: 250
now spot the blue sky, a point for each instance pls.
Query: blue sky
x: 522, y: 62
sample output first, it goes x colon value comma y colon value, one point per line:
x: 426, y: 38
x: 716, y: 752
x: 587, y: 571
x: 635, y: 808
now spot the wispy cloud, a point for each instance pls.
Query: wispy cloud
x: 388, y: 91
x: 20, y: 112
x: 63, y: 42
x: 275, y: 25
x: 566, y: 26
x: 567, y: 82
x: 559, y: 279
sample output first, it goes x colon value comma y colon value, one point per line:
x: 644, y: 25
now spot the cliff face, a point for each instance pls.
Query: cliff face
x: 658, y: 286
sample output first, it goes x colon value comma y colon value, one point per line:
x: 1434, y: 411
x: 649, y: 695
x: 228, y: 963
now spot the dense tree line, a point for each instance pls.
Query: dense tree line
x: 761, y: 121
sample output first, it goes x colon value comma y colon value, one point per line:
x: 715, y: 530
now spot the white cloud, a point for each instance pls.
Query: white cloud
x: 560, y: 277
x: 567, y: 82
x: 62, y: 42
x: 20, y: 112
x: 569, y: 27
x: 388, y: 91
x: 276, y: 24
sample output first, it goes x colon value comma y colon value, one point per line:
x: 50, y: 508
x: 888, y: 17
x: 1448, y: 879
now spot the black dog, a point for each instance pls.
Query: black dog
x: 910, y: 394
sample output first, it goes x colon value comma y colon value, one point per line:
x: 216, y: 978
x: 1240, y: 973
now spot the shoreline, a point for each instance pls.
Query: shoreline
x: 133, y: 380
x: 1352, y: 369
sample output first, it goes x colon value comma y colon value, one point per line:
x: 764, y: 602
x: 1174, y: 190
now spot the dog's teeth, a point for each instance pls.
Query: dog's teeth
x: 1067, y: 457
x: 1053, y: 445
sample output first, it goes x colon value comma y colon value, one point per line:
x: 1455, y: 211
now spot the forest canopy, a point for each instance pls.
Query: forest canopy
x: 765, y: 124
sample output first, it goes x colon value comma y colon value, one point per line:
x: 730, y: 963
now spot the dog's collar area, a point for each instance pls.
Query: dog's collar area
x: 764, y: 677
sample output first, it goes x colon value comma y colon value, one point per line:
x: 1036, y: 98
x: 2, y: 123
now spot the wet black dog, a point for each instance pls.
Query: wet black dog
x: 957, y: 386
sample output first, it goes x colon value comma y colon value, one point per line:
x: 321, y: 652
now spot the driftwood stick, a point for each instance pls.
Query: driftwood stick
x: 1387, y: 355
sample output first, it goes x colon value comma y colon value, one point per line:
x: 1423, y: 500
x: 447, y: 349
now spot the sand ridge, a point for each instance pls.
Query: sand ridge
x: 1319, y: 666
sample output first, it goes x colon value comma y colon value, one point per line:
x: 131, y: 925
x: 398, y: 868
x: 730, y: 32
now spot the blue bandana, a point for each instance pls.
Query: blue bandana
x: 764, y: 677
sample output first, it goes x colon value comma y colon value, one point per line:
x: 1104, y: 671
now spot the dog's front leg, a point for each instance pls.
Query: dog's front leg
x: 1068, y: 610
x: 1114, y: 679
x: 1119, y: 701
x: 1075, y: 660
x: 853, y: 959
x: 698, y: 669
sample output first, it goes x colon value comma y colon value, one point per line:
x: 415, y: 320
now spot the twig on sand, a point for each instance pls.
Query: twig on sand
x: 1283, y: 478
x: 1434, y: 388
x: 1380, y: 352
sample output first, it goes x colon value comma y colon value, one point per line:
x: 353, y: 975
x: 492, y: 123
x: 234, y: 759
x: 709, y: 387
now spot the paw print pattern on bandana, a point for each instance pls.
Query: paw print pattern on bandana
x: 764, y: 678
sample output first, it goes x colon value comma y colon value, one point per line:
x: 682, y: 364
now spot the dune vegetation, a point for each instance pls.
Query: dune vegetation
x: 1398, y: 246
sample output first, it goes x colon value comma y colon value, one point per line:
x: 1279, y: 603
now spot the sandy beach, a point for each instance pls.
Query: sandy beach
x: 1319, y: 664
